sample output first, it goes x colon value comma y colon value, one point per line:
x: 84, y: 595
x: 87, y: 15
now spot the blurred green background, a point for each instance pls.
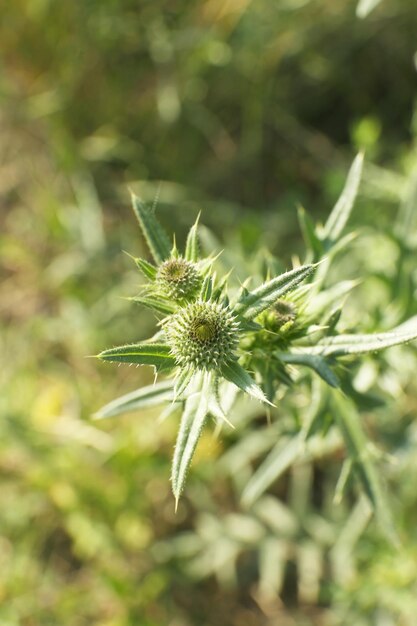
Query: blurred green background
x: 241, y: 108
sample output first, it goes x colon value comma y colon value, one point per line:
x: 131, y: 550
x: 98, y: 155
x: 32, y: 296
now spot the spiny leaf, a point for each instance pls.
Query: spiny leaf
x: 308, y: 230
x: 155, y: 303
x: 155, y: 236
x: 253, y: 303
x: 341, y: 345
x: 206, y: 288
x: 146, y: 268
x: 192, y: 247
x: 340, y: 214
x: 142, y: 398
x: 315, y: 362
x: 192, y: 422
x: 234, y: 373
x: 349, y: 421
x: 182, y: 381
x: 156, y: 354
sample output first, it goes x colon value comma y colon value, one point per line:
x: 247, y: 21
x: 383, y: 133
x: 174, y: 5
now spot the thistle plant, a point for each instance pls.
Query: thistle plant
x: 217, y: 339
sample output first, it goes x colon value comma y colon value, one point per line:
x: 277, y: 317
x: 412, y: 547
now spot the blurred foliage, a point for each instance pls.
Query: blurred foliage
x: 245, y: 108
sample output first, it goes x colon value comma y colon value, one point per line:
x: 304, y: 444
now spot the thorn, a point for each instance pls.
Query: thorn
x: 177, y: 499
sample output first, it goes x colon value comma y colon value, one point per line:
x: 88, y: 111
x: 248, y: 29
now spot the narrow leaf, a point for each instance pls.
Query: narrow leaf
x: 192, y: 247
x: 365, y: 7
x: 182, y: 381
x: 143, y: 398
x: 146, y: 268
x: 253, y: 303
x: 234, y: 373
x: 341, y: 212
x: 206, y: 288
x: 349, y: 421
x: 342, y: 481
x: 315, y: 362
x: 309, y: 233
x: 192, y: 422
x: 283, y: 454
x: 341, y: 345
x: 156, y: 354
x: 156, y: 304
x: 155, y: 236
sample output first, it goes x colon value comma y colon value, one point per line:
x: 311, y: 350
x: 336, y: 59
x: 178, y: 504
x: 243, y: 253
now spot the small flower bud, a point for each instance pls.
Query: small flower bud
x: 179, y: 279
x: 281, y: 315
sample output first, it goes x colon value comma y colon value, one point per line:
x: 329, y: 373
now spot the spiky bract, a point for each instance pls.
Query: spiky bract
x: 179, y: 279
x: 202, y: 335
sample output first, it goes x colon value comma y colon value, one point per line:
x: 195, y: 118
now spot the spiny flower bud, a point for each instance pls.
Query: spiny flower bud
x: 179, y: 279
x: 280, y: 316
x: 284, y: 312
x: 202, y: 335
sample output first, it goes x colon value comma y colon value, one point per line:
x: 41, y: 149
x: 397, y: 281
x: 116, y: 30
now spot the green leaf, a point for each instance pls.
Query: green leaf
x: 155, y: 303
x: 349, y: 421
x: 341, y: 345
x: 206, y: 288
x: 341, y: 212
x: 192, y: 422
x: 281, y: 457
x: 253, y: 303
x: 182, y: 381
x: 308, y: 230
x: 155, y: 236
x: 343, y: 480
x: 147, y: 269
x: 192, y: 247
x: 143, y: 398
x: 156, y: 354
x: 365, y: 7
x: 315, y: 362
x: 234, y: 373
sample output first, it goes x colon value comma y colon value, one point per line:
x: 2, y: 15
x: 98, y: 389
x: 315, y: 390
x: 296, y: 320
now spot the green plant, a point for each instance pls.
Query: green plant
x: 217, y: 339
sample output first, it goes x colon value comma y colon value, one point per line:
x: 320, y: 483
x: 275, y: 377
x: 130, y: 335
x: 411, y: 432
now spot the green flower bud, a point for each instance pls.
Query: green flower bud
x: 179, y: 279
x: 283, y: 312
x: 202, y: 335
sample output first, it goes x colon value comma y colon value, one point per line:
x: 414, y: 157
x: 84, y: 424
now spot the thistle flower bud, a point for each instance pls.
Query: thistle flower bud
x: 284, y: 312
x: 202, y: 335
x: 179, y: 279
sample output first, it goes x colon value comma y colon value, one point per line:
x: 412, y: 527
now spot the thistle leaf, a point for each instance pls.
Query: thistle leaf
x: 253, y: 303
x: 192, y: 422
x: 182, y: 381
x: 341, y: 212
x: 156, y: 354
x: 206, y: 288
x: 192, y: 247
x: 155, y: 236
x: 308, y: 231
x: 148, y: 396
x: 343, y: 480
x: 147, y: 269
x: 234, y: 373
x: 155, y: 303
x: 315, y: 362
x: 342, y: 345
x: 282, y: 455
x: 356, y: 441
